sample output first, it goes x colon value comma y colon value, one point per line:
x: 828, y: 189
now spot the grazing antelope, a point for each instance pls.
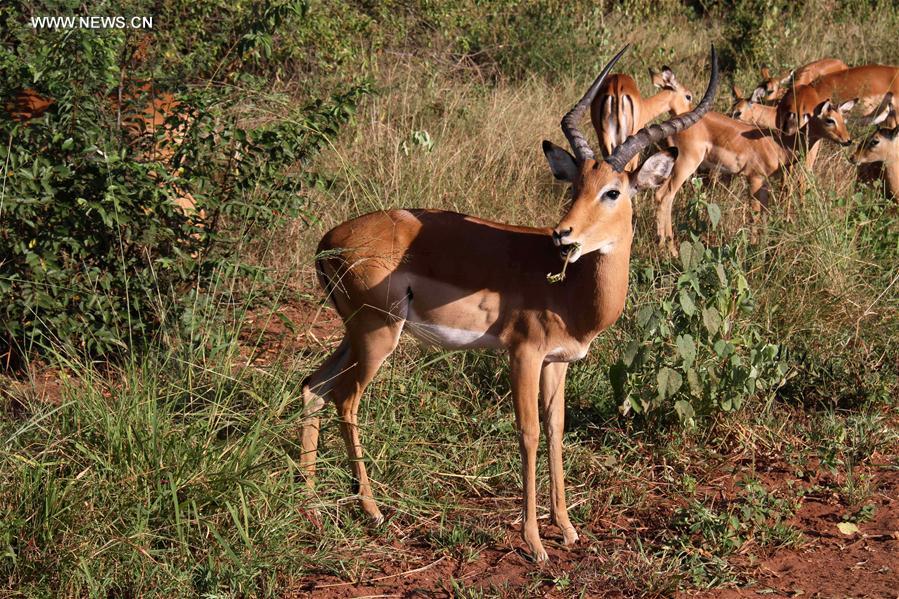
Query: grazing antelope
x: 27, y: 104
x: 869, y: 85
x: 723, y: 144
x: 751, y: 111
x: 619, y: 110
x: 882, y: 146
x: 773, y: 88
x: 460, y: 282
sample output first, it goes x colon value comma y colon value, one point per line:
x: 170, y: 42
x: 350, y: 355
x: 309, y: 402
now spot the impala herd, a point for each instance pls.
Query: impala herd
x: 460, y: 282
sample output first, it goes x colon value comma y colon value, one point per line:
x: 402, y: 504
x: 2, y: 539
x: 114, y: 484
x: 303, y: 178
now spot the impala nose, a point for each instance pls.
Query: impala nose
x: 558, y: 235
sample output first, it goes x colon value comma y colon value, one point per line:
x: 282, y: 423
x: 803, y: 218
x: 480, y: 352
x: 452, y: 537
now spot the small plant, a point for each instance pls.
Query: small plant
x: 694, y: 349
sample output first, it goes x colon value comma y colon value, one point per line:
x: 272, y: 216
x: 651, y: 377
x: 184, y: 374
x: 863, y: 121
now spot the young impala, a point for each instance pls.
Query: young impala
x: 773, y: 88
x: 720, y: 143
x: 882, y: 146
x: 751, y: 111
x: 460, y: 282
x: 619, y: 110
x: 868, y: 85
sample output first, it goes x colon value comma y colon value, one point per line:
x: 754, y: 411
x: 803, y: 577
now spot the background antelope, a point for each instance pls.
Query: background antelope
x: 414, y: 270
x: 882, y: 146
x: 619, y: 110
x: 751, y: 111
x: 773, y: 88
x: 869, y: 85
x: 723, y: 144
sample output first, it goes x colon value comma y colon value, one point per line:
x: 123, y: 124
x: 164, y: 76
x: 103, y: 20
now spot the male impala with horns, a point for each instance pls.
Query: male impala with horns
x: 460, y: 282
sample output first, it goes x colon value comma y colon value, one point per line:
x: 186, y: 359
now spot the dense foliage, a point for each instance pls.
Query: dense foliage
x: 96, y: 250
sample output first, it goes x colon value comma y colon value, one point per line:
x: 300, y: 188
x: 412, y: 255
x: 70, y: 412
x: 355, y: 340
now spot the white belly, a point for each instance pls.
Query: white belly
x: 439, y: 335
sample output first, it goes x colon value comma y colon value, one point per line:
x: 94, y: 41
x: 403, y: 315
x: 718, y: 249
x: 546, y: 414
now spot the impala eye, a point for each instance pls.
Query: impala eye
x: 874, y: 142
x: 613, y: 194
x: 831, y: 122
x: 689, y: 97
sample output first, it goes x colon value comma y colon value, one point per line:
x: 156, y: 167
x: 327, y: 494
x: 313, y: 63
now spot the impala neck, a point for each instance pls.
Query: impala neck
x: 601, y: 279
x: 655, y: 105
x: 891, y: 173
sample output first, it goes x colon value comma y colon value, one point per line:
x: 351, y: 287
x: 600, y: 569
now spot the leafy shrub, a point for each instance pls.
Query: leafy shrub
x: 94, y: 248
x: 694, y: 349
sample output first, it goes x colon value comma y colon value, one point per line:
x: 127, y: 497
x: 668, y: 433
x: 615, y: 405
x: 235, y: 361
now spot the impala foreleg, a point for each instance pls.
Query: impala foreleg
x: 525, y: 371
x: 552, y: 397
x: 684, y: 167
x: 759, y: 188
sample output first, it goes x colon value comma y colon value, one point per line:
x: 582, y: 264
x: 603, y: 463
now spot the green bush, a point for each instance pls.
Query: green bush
x: 93, y: 249
x: 694, y: 348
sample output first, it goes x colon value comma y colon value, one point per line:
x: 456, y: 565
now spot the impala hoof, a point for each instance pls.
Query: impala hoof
x: 535, y: 548
x: 569, y: 536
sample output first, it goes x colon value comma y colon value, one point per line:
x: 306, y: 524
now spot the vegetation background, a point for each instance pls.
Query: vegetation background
x: 163, y: 458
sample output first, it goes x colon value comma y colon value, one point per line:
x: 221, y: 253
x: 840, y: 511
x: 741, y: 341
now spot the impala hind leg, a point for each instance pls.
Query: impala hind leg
x: 372, y: 341
x: 552, y: 398
x: 316, y: 390
x: 525, y: 371
x: 342, y: 379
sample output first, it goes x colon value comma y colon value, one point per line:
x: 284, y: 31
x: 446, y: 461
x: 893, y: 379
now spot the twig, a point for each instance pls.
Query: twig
x: 380, y: 578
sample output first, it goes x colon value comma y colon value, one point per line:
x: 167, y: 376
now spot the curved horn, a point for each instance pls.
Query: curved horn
x: 578, y: 142
x: 634, y: 144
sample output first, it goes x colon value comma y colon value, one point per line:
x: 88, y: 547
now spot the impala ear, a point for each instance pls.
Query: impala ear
x: 820, y: 109
x: 737, y: 93
x: 654, y: 170
x: 891, y: 133
x: 766, y: 74
x: 758, y: 94
x: 847, y: 106
x: 561, y: 163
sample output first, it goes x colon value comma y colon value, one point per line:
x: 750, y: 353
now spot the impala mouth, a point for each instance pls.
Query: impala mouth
x: 570, y: 252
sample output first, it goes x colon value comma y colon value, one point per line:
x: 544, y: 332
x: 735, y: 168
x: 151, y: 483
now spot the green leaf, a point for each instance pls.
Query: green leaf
x: 686, y: 348
x: 630, y: 352
x: 684, y: 409
x: 643, y: 315
x: 686, y: 303
x: 694, y: 382
x: 618, y: 379
x: 686, y: 254
x: 711, y: 319
x: 714, y: 214
x: 669, y: 381
x: 848, y: 528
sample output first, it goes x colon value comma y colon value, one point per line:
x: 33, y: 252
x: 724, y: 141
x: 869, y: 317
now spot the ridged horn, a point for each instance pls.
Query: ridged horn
x: 576, y: 139
x: 640, y: 140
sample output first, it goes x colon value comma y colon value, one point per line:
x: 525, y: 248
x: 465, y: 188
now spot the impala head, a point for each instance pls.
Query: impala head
x: 599, y: 218
x: 802, y: 105
x: 665, y: 79
x: 880, y: 146
x: 741, y: 105
x: 830, y: 120
x: 769, y: 89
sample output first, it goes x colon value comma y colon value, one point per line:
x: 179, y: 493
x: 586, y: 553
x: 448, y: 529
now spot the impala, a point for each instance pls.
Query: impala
x: 723, y: 144
x: 773, y: 88
x: 868, y: 84
x: 751, y: 111
x: 460, y: 282
x: 882, y: 146
x: 619, y: 110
